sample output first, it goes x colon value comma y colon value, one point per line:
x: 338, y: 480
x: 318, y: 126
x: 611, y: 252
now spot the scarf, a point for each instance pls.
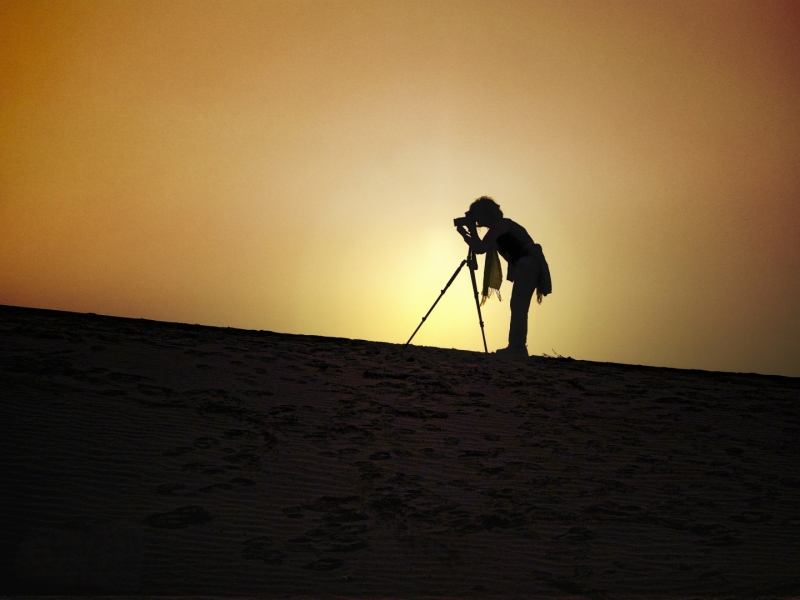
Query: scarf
x: 492, y: 276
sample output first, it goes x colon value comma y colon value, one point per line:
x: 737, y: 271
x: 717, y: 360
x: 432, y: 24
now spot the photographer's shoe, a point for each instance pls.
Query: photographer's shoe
x: 513, y: 352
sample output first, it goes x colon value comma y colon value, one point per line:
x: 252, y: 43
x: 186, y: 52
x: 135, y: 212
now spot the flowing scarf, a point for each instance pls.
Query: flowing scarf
x: 492, y: 276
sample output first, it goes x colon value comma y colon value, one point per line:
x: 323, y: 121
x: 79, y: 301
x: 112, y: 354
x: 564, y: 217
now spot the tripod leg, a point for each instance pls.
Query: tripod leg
x: 473, y: 265
x: 458, y: 270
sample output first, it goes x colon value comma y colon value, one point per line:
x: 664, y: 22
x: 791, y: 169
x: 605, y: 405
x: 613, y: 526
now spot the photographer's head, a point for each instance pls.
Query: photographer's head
x: 486, y: 211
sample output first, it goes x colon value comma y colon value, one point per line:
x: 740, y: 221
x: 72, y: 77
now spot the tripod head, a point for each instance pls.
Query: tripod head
x: 472, y: 261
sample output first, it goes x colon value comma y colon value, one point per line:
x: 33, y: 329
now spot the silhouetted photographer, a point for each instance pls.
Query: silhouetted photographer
x: 527, y: 267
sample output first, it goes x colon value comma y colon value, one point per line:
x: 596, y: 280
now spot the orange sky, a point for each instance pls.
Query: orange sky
x: 296, y: 166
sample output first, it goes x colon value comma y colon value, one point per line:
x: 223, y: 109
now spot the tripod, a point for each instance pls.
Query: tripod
x: 473, y: 266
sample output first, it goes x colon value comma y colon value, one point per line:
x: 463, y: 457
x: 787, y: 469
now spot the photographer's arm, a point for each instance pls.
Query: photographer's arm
x: 478, y: 245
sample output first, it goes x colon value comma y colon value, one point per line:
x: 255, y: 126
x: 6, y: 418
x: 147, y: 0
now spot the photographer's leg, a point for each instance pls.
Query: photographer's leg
x: 525, y: 281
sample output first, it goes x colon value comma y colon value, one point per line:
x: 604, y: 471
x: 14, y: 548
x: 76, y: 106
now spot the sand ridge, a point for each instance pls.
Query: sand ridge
x: 156, y: 458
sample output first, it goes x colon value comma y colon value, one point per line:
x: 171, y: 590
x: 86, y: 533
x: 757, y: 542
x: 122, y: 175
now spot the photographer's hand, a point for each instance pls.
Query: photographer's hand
x: 473, y: 230
x: 465, y: 234
x: 469, y: 232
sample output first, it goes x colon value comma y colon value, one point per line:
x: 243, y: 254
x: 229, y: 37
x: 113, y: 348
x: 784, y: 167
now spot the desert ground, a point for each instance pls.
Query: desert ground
x: 148, y: 458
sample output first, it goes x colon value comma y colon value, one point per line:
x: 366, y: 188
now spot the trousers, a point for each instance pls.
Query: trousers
x: 526, y: 278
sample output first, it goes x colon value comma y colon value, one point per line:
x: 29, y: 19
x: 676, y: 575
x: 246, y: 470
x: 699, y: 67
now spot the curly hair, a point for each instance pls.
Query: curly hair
x: 485, y: 205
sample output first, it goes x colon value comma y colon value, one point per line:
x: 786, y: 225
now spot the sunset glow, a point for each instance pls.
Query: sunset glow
x: 296, y: 167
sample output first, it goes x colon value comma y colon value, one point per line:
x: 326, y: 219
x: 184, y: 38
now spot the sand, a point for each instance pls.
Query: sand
x: 164, y: 459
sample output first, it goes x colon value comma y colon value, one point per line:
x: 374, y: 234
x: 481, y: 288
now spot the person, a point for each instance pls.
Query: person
x: 527, y: 268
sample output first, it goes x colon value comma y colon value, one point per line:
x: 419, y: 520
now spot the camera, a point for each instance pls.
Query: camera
x: 465, y: 221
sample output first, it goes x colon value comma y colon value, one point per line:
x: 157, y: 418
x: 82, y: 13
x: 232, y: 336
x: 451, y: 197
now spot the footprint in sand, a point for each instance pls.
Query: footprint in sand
x: 205, y: 443
x: 341, y: 531
x: 236, y: 482
x: 324, y: 564
x: 178, y: 451
x: 170, y: 489
x: 575, y: 535
x: 262, y: 548
x: 180, y: 518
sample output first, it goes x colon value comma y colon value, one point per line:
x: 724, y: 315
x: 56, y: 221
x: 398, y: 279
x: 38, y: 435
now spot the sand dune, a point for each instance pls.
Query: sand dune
x: 157, y: 459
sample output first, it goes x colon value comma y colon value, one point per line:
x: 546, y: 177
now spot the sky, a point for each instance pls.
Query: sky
x: 296, y: 167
